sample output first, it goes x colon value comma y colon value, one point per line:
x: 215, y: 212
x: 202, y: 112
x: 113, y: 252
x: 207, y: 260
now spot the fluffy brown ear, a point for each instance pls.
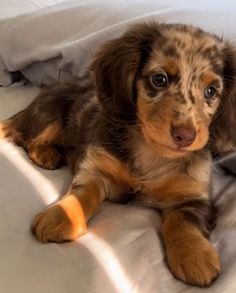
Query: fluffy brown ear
x: 116, y: 67
x: 223, y: 130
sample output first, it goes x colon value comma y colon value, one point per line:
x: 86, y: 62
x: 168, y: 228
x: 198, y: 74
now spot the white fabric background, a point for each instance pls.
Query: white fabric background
x: 59, y: 41
x: 10, y: 8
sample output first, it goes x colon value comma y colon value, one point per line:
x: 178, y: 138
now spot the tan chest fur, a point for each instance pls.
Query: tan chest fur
x: 167, y: 180
x: 156, y: 178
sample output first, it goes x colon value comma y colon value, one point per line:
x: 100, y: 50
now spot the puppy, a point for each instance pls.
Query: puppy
x: 162, y: 98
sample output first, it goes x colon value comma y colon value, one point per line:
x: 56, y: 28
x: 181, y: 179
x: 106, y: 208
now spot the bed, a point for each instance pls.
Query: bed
x: 122, y: 251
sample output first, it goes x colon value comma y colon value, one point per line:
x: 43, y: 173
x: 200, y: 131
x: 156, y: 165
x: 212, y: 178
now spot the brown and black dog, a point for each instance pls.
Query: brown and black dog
x: 162, y: 99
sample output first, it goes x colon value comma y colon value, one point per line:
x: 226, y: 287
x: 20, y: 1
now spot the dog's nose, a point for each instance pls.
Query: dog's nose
x: 183, y: 136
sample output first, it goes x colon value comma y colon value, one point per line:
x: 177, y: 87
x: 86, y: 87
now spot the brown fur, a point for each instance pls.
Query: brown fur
x: 89, y: 197
x: 61, y: 222
x: 186, y: 186
x: 52, y: 134
x: 210, y: 78
x: 110, y: 167
x: 116, y: 133
x: 45, y: 156
x: 7, y: 129
x: 41, y: 149
x: 190, y: 255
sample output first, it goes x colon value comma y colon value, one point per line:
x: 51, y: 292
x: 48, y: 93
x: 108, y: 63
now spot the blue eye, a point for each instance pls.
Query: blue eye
x: 210, y: 92
x: 160, y: 80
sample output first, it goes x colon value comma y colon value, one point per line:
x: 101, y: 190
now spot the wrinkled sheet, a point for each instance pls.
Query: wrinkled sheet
x: 57, y: 42
x: 10, y: 8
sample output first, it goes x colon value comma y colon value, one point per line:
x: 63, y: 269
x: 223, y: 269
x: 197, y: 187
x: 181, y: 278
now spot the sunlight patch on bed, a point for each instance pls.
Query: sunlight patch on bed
x: 44, y: 187
x: 109, y: 262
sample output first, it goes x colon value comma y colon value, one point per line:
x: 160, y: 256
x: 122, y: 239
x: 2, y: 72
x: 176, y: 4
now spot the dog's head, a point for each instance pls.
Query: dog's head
x: 172, y: 79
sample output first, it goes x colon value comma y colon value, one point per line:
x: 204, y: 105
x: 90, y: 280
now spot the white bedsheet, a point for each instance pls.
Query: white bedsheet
x: 10, y: 8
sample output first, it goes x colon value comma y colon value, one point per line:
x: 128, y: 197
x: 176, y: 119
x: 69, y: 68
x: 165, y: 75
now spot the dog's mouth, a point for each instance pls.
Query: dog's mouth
x: 176, y: 150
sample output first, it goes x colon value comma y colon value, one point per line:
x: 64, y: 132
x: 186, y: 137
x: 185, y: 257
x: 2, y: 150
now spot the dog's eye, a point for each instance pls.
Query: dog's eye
x: 159, y: 80
x: 210, y: 92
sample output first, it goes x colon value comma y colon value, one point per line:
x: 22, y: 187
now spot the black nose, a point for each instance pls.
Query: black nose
x: 183, y: 136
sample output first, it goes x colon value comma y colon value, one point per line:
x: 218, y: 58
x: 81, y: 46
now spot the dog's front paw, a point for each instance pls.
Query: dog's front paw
x: 5, y: 129
x: 55, y: 224
x: 194, y: 261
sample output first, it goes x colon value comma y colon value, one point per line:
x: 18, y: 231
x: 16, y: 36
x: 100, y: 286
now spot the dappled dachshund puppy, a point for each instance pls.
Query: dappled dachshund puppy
x: 162, y: 99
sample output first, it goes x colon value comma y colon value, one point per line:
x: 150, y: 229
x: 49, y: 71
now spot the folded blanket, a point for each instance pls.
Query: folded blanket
x: 57, y: 43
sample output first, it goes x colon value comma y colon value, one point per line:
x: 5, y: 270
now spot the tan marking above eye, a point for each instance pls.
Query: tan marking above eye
x: 160, y: 62
x: 170, y: 67
x: 208, y: 78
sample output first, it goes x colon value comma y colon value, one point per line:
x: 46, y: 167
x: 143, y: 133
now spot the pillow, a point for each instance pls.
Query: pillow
x: 57, y: 43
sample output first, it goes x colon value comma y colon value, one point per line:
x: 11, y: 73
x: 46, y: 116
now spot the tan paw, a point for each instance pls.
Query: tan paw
x: 45, y: 156
x: 194, y: 261
x: 5, y: 129
x: 55, y: 225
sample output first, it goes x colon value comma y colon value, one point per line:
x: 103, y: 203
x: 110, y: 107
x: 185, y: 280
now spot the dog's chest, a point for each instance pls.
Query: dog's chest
x: 151, y: 171
x: 162, y: 180
x: 149, y: 165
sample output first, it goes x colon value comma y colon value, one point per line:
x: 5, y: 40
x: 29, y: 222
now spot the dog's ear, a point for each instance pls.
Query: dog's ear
x: 116, y: 67
x: 223, y: 129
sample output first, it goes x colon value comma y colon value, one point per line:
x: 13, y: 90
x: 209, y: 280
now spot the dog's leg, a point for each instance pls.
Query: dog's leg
x: 100, y: 176
x: 41, y: 149
x: 40, y: 128
x: 66, y: 220
x: 190, y: 256
x: 5, y: 127
x: 45, y: 156
x: 39, y: 143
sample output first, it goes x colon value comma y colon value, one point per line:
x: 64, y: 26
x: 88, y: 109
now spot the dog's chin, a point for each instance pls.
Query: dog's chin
x: 171, y: 152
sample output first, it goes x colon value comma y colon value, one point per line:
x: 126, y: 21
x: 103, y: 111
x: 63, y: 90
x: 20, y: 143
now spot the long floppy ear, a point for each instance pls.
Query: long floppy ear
x: 116, y: 66
x: 223, y: 128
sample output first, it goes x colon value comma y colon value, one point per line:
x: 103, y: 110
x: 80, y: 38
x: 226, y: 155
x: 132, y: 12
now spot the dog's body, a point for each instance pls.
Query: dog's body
x: 141, y: 133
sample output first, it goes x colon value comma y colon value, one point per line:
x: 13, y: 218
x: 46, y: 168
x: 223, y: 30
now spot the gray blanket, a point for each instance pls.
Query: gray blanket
x: 59, y: 41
